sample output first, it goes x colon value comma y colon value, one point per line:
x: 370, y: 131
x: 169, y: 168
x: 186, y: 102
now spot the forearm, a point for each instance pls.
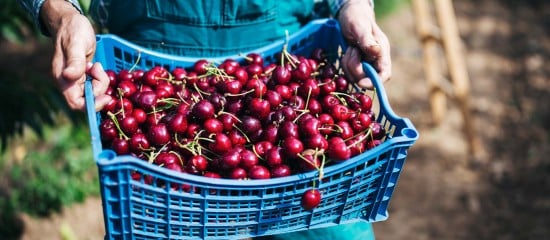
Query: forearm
x: 35, y: 9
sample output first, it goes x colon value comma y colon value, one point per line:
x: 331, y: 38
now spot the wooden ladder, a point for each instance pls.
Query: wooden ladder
x: 445, y: 36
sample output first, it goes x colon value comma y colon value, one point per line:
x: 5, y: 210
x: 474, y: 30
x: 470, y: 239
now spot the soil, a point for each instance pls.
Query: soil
x: 444, y: 193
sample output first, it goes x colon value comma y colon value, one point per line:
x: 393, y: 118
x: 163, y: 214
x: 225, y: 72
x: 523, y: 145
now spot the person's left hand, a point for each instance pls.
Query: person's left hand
x: 367, y: 42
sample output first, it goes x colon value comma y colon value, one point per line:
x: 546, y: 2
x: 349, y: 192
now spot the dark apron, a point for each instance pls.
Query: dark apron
x: 205, y: 28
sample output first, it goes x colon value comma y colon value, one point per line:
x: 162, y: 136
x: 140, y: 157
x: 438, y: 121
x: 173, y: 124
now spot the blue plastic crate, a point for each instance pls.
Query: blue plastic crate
x: 358, y: 189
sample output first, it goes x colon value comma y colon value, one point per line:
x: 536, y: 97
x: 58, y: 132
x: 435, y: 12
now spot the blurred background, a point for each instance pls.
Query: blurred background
x: 48, y: 179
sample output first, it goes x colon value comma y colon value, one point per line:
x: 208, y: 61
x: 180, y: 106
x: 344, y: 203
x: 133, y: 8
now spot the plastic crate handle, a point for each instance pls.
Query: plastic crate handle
x: 371, y: 73
x: 92, y: 117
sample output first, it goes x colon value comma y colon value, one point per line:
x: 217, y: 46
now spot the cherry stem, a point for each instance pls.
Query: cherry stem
x: 185, y: 146
x: 117, y: 125
x: 137, y: 60
x: 231, y: 114
x: 239, y: 94
x: 242, y: 132
x: 367, y: 135
x: 201, y: 92
x: 303, y: 112
x: 155, y: 154
x: 256, y: 153
x: 342, y: 100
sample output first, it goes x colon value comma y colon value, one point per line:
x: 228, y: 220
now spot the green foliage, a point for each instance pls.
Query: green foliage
x: 28, y: 99
x: 59, y: 172
x: 384, y: 8
x: 15, y: 23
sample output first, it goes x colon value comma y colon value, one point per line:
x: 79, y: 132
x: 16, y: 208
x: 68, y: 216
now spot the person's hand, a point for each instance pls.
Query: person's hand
x: 74, y: 48
x: 367, y: 42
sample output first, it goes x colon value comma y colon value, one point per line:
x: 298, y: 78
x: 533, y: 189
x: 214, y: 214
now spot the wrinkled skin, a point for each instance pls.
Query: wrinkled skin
x: 366, y: 42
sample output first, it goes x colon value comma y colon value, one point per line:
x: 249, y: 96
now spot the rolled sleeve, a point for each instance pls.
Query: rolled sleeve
x: 33, y: 9
x: 335, y: 5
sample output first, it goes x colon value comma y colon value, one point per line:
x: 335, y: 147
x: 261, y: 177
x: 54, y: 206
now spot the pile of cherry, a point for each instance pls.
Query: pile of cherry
x: 240, y: 120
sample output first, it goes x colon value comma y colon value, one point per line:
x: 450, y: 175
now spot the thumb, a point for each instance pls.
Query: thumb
x: 370, y: 48
x: 75, y: 63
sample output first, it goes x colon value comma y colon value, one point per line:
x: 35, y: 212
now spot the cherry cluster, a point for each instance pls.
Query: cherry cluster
x: 240, y: 120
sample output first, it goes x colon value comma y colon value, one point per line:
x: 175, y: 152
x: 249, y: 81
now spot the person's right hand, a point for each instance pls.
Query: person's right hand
x: 74, y: 47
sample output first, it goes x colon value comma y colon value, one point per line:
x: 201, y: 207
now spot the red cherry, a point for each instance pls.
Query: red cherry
x: 254, y: 58
x: 232, y: 87
x: 126, y: 88
x: 311, y: 199
x: 129, y: 125
x: 327, y: 123
x: 221, y: 144
x: 125, y: 75
x: 310, y: 126
x: 338, y: 150
x: 177, y: 123
x: 165, y: 90
x: 360, y: 122
x: 357, y: 145
x: 140, y: 115
x: 309, y: 162
x: 259, y: 88
x: 274, y: 98
x: 262, y: 147
x: 201, y: 66
x: 281, y: 170
x: 345, y: 130
x: 120, y: 146
x: 213, y: 125
x: 203, y: 109
x: 248, y: 159
x: 274, y: 156
x: 179, y: 73
x: 113, y: 80
x: 310, y: 87
x: 281, y: 75
x: 139, y: 143
x: 147, y: 100
x: 316, y: 141
x: 199, y: 162
x: 341, y: 84
x: 238, y: 173
x: 237, y: 138
x: 328, y: 86
x: 241, y: 75
x: 288, y: 129
x: 259, y: 107
x: 228, y: 121
x: 230, y: 159
x: 314, y: 106
x: 340, y: 112
x: 284, y: 91
x: 167, y: 158
x: 292, y: 146
x: 302, y: 72
x: 259, y: 172
x: 108, y: 130
x: 271, y: 133
x: 158, y: 134
x: 377, y: 130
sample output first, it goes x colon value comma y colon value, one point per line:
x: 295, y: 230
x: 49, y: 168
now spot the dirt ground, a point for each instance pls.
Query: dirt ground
x: 442, y: 193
